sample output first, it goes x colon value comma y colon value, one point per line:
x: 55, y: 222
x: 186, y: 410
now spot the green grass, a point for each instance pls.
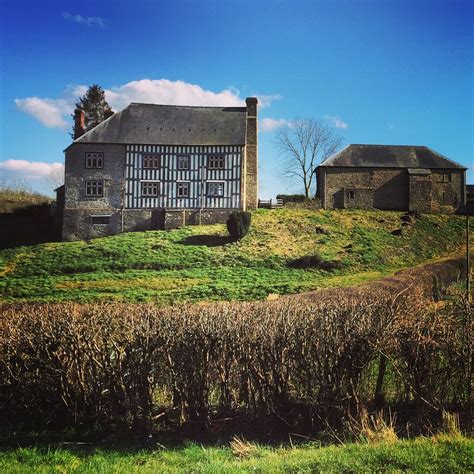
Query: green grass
x: 200, y: 264
x: 449, y: 454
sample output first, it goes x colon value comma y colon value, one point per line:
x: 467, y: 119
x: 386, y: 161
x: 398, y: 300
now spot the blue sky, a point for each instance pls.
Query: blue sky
x: 392, y: 72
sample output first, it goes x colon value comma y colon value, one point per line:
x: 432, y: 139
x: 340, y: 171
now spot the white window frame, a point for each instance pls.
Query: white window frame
x: 215, y: 183
x: 151, y: 161
x: 144, y: 185
x: 94, y: 187
x: 216, y: 162
x: 179, y: 185
x: 184, y: 159
x: 94, y: 159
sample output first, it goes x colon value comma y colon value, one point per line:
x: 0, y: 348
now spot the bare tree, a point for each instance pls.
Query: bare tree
x: 55, y: 178
x: 305, y: 143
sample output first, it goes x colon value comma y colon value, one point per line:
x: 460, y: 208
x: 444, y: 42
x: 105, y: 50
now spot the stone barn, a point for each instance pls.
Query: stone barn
x: 159, y: 167
x: 391, y: 177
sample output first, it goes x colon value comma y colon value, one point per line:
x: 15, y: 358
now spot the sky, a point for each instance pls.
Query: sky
x: 382, y: 72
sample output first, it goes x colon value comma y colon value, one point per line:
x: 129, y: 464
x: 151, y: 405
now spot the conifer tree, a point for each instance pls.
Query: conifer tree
x: 95, y: 107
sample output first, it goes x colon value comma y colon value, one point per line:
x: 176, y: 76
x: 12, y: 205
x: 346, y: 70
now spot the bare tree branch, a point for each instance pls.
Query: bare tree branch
x: 304, y: 144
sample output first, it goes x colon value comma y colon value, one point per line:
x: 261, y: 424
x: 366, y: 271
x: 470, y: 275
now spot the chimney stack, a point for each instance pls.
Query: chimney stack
x: 79, y: 123
x: 250, y: 191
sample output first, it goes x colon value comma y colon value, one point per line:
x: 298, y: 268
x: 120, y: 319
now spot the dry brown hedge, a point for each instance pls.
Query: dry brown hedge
x: 312, y: 356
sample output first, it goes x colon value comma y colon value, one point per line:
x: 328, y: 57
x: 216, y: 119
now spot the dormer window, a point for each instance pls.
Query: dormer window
x: 94, y: 159
x: 151, y: 162
x: 216, y: 162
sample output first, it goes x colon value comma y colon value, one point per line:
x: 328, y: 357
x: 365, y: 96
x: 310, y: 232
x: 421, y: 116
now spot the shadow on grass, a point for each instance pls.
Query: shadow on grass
x: 207, y: 240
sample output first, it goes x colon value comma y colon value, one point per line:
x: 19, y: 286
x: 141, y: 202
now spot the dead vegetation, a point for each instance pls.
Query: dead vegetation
x: 301, y: 360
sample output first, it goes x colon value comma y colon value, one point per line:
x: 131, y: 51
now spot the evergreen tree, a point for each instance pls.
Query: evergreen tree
x: 95, y: 107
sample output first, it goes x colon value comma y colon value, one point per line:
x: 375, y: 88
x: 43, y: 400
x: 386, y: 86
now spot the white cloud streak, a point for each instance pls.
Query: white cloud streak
x: 269, y: 124
x: 54, y: 113
x: 337, y: 122
x: 84, y: 20
x: 30, y: 170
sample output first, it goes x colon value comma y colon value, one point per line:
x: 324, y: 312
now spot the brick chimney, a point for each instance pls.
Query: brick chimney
x: 250, y: 190
x: 79, y: 123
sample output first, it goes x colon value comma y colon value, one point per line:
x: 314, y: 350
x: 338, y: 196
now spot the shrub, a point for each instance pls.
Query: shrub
x: 293, y: 198
x: 238, y: 224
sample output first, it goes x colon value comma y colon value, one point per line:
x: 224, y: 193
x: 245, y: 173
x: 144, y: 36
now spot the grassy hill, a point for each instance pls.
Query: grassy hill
x: 200, y: 264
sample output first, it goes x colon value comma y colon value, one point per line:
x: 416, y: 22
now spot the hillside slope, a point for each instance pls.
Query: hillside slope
x: 200, y: 264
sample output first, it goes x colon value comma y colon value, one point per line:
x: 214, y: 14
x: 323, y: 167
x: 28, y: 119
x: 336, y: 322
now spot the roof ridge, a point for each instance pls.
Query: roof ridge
x: 400, y: 146
x: 190, y: 106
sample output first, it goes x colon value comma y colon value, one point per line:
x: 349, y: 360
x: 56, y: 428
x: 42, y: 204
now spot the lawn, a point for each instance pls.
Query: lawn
x: 200, y: 264
x: 440, y: 454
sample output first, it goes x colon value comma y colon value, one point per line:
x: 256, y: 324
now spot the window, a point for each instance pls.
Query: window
x: 151, y: 161
x: 216, y: 162
x: 183, y: 162
x: 150, y: 188
x: 351, y: 194
x: 182, y: 189
x: 100, y: 220
x: 94, y: 187
x: 215, y: 189
x: 446, y: 177
x: 94, y: 159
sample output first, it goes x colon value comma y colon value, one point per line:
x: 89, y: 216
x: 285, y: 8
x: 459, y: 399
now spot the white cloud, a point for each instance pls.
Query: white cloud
x: 163, y: 91
x: 269, y: 124
x: 84, y: 20
x: 30, y: 170
x: 55, y: 113
x: 50, y: 112
x: 337, y: 121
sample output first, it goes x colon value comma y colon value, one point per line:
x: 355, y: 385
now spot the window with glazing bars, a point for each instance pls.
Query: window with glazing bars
x: 151, y: 161
x: 94, y: 187
x: 216, y: 162
x: 150, y: 188
x: 94, y: 159
x: 182, y: 189
x: 183, y: 162
x: 215, y: 189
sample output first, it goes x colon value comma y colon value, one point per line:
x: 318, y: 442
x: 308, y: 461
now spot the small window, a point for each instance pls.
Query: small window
x: 446, y: 178
x: 215, y: 189
x: 150, y: 188
x: 183, y: 162
x: 94, y: 159
x: 351, y: 194
x: 94, y: 187
x: 216, y: 162
x: 151, y: 162
x: 100, y: 220
x: 182, y: 189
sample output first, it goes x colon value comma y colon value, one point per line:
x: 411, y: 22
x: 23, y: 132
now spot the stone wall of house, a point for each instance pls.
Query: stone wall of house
x: 78, y: 208
x: 250, y: 188
x: 448, y: 193
x: 175, y: 218
x: 380, y: 188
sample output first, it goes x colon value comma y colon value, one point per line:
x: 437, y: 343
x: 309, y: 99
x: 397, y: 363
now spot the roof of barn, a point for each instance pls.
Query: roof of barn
x: 390, y: 156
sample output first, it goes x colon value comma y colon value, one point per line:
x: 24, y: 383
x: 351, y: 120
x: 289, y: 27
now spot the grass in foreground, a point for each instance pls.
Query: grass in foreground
x: 200, y: 264
x: 440, y: 454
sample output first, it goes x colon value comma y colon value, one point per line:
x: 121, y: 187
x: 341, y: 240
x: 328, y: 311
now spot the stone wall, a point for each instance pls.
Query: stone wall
x: 250, y: 188
x: 174, y: 218
x: 78, y: 208
x: 448, y: 196
x: 384, y: 188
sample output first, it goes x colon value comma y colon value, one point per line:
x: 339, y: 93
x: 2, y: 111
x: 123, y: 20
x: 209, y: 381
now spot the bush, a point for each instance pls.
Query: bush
x: 300, y: 358
x: 238, y: 224
x: 293, y: 198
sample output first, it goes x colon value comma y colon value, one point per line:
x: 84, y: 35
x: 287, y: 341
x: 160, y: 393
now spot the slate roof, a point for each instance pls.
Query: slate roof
x: 390, y: 156
x: 171, y: 125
